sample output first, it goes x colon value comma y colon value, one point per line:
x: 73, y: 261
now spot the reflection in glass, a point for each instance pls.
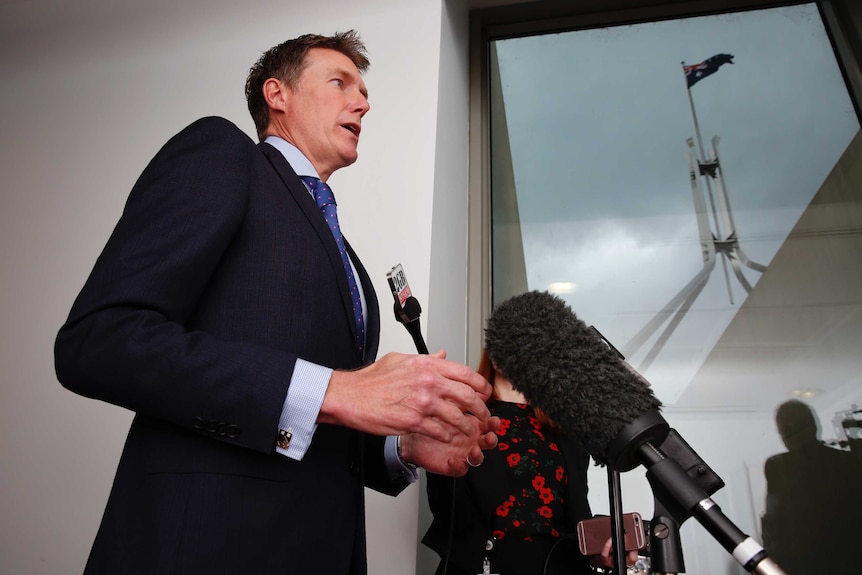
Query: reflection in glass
x: 811, y: 493
x: 710, y: 229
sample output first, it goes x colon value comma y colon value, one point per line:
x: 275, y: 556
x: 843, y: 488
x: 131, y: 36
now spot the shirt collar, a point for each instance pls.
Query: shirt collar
x: 297, y: 160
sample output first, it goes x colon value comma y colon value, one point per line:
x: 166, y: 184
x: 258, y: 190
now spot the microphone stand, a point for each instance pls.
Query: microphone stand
x: 621, y: 456
x: 408, y: 314
x: 682, y: 484
x: 665, y: 544
x: 616, y: 513
x: 675, y: 489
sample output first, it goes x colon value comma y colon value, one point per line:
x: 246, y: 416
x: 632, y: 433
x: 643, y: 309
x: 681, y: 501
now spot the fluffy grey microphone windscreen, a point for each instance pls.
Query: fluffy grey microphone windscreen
x: 561, y: 366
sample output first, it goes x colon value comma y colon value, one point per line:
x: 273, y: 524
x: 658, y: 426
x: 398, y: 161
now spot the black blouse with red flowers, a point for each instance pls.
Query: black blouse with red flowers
x: 518, y: 509
x: 537, y: 478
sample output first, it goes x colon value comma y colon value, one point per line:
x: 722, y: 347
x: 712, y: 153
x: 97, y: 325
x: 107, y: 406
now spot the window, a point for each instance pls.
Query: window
x: 707, y: 223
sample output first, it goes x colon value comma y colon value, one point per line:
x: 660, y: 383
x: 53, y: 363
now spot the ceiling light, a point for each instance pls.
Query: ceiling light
x: 562, y: 287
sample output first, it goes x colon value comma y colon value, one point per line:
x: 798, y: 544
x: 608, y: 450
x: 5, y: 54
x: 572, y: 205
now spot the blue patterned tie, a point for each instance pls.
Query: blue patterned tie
x: 326, y: 202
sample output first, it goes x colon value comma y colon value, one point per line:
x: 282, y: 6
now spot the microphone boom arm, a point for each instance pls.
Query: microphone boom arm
x: 682, y: 484
x: 682, y: 495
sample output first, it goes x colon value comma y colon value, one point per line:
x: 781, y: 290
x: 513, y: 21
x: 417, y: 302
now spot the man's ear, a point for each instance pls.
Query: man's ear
x: 276, y: 94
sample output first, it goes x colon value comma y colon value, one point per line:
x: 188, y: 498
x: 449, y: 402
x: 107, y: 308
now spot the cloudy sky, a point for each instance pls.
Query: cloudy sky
x: 598, y: 122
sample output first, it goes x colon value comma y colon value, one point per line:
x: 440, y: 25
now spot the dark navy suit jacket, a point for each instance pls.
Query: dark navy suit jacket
x: 221, y: 273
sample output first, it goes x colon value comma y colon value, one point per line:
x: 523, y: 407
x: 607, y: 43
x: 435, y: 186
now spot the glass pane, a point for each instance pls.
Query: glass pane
x: 709, y: 226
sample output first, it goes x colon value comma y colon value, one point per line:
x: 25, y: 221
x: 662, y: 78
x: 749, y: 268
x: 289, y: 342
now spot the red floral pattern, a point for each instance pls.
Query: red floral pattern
x: 537, y: 475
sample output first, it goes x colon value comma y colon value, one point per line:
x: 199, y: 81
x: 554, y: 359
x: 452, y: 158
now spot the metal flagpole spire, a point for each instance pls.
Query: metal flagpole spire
x: 723, y: 240
x: 701, y: 161
x: 693, y: 113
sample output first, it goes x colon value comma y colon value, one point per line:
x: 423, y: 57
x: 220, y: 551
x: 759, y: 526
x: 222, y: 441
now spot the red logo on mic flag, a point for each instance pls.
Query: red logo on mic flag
x: 398, y: 284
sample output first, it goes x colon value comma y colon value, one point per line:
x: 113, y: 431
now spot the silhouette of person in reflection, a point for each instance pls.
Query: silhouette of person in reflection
x: 812, y: 519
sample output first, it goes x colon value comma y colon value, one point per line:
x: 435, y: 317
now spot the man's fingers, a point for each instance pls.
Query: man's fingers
x: 458, y: 466
x: 453, y: 420
x: 437, y: 430
x: 475, y: 457
x: 402, y: 394
x: 467, y: 399
x: 488, y: 441
x: 460, y: 373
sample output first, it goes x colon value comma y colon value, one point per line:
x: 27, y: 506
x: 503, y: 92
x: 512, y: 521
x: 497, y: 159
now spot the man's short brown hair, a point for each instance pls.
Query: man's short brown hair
x: 286, y: 62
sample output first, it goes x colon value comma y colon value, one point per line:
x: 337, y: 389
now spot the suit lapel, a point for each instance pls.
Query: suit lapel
x: 306, y: 203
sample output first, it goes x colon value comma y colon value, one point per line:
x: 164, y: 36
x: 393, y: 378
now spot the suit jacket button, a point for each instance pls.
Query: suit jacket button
x: 233, y: 431
x: 198, y: 423
x: 354, y: 468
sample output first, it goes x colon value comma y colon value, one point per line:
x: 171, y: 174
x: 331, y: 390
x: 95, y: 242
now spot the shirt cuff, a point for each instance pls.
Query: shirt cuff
x: 398, y: 469
x: 298, y: 420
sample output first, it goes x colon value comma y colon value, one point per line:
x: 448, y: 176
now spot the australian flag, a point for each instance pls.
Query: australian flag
x: 698, y: 72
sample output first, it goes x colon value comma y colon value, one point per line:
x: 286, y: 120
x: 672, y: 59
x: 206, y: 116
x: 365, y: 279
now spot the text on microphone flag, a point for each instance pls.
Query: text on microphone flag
x: 398, y: 284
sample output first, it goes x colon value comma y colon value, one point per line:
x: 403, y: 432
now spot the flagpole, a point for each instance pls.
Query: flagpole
x: 718, y: 232
x: 693, y: 114
x: 713, y: 244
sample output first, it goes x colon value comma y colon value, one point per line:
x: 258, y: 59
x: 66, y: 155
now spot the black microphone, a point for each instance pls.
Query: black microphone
x: 567, y: 370
x: 406, y: 307
x: 573, y: 374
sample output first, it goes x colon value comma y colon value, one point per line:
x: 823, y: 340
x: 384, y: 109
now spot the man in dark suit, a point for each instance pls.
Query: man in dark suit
x: 221, y: 312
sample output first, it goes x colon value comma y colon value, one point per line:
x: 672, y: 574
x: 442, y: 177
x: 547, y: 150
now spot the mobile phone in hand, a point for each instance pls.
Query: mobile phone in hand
x: 594, y: 533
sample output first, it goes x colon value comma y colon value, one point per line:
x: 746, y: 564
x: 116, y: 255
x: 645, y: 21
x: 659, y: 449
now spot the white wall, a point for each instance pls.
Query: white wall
x: 91, y: 89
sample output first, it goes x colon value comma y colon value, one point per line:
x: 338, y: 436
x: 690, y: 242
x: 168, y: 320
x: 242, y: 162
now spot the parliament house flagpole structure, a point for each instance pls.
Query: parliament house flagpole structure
x: 718, y: 238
